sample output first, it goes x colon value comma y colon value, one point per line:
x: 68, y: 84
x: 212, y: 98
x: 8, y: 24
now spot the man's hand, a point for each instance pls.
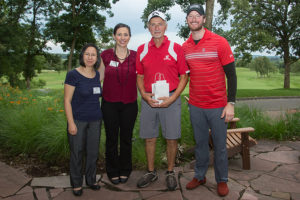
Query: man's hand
x: 148, y: 98
x: 167, y: 101
x: 228, y: 112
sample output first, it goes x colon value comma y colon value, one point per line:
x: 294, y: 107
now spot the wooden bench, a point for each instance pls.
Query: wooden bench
x: 238, y: 141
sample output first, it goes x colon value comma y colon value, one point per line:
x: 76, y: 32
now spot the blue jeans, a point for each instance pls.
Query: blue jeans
x: 203, y: 120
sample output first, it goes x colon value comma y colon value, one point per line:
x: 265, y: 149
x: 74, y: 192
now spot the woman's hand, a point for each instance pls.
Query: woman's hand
x: 72, y: 128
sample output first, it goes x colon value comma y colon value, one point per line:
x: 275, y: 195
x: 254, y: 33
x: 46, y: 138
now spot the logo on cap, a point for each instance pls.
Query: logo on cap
x: 157, y: 14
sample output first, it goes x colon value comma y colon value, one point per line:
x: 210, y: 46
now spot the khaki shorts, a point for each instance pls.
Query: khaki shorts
x: 169, y: 119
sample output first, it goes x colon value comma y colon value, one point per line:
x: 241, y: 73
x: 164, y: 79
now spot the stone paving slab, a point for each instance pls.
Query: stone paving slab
x: 243, y: 175
x: 295, y: 145
x: 249, y: 194
x: 55, y: 192
x: 41, y: 193
x: 100, y: 194
x: 56, y: 181
x: 284, y: 148
x: 275, y: 184
x: 28, y: 196
x: 25, y: 190
x: 175, y: 195
x: 265, y: 146
x: 287, y: 157
x: 11, y: 180
x: 288, y: 172
x: 256, y: 164
x: 281, y: 195
x: 271, y: 177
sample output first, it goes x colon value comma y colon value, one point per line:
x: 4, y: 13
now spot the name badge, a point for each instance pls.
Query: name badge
x: 96, y: 90
x: 114, y: 63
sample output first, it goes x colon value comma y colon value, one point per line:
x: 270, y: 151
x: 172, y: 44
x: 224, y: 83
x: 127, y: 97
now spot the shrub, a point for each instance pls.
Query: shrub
x: 33, y: 123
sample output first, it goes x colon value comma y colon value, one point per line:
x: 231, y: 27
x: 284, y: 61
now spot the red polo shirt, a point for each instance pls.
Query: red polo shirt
x: 207, y: 77
x: 161, y: 60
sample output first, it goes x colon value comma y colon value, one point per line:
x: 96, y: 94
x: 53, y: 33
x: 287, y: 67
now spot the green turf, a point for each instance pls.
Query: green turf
x: 249, y: 85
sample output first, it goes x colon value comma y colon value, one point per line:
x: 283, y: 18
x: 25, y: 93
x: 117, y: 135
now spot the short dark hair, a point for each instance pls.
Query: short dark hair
x: 81, y: 62
x: 121, y: 25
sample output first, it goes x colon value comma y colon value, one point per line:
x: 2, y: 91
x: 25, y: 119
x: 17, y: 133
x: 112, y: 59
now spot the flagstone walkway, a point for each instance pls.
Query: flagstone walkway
x: 274, y: 174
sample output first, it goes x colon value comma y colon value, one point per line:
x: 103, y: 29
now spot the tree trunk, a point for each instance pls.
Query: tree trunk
x: 71, y: 53
x: 286, y: 75
x: 287, y: 64
x: 209, y: 13
x: 28, y: 83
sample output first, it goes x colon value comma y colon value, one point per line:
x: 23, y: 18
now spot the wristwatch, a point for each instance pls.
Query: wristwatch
x: 232, y: 103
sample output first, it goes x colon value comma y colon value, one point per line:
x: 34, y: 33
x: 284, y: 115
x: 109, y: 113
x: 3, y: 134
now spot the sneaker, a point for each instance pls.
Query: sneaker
x: 171, y: 180
x: 147, y: 179
x: 222, y: 189
x: 195, y: 183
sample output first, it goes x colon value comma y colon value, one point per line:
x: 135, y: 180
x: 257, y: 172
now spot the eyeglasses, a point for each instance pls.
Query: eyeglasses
x: 89, y: 54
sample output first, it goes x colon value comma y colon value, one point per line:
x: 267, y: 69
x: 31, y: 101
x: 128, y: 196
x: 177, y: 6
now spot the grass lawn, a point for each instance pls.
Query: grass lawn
x: 248, y: 80
x: 249, y: 85
x: 43, y: 134
x: 54, y: 80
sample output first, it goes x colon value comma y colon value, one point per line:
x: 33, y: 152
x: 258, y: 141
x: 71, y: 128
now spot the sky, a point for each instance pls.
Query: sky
x: 130, y: 12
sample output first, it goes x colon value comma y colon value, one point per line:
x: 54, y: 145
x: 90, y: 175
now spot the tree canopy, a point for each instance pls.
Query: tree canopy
x: 165, y: 5
x: 27, y: 25
x: 266, y: 25
x: 255, y: 25
x: 78, y: 22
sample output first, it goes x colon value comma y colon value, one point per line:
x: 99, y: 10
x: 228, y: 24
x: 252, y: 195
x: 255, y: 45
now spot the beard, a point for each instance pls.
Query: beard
x: 193, y: 28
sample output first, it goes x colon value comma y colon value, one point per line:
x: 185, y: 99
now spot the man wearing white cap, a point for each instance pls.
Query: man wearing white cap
x: 209, y: 58
x: 164, y: 58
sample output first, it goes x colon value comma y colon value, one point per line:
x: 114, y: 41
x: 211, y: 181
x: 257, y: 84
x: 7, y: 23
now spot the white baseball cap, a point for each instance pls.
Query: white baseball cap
x: 157, y: 14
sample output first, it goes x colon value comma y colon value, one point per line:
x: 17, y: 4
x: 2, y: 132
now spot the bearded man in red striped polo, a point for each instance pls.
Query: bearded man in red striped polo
x: 210, y: 59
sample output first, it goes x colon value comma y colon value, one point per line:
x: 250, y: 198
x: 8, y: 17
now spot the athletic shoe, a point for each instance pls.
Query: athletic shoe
x: 171, y: 180
x: 147, y: 178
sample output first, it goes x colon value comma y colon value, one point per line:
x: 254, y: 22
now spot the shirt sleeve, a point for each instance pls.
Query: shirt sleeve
x: 230, y: 72
x: 71, y: 78
x: 139, y: 67
x: 224, y: 52
x: 181, y: 62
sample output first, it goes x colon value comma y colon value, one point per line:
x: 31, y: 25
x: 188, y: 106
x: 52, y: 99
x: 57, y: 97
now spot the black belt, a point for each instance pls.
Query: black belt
x: 173, y: 90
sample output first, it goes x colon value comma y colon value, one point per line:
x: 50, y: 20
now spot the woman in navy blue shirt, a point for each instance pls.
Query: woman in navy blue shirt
x: 82, y: 107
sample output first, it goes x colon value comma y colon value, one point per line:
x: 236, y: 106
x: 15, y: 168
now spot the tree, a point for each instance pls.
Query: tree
x: 12, y: 39
x: 262, y: 66
x: 37, y: 10
x: 21, y: 38
x: 53, y: 62
x: 295, y: 67
x: 272, y: 25
x: 78, y: 22
x: 165, y: 5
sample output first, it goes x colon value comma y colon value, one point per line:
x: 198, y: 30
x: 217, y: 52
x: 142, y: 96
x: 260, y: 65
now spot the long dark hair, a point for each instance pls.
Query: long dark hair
x: 81, y: 62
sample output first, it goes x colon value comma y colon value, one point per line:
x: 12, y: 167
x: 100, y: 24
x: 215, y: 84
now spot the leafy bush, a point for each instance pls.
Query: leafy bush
x: 40, y: 83
x: 33, y: 123
x: 286, y: 127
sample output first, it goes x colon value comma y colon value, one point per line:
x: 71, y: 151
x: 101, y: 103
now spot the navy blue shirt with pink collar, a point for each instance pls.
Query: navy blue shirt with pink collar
x: 85, y: 101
